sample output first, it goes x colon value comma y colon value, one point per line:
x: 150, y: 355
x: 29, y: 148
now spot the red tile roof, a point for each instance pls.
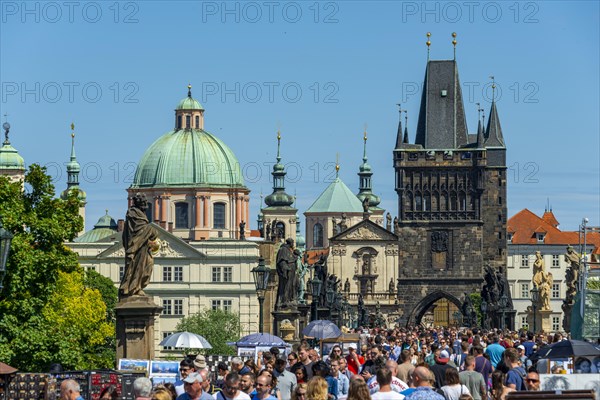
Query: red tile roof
x: 524, y: 225
x: 313, y: 255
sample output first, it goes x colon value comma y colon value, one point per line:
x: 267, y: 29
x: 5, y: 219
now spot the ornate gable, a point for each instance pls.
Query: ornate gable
x: 365, y: 230
x: 170, y: 247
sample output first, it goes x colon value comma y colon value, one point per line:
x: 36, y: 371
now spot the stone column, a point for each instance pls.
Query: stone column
x: 163, y: 212
x: 205, y: 199
x: 135, y: 327
x: 197, y: 212
x: 156, y: 208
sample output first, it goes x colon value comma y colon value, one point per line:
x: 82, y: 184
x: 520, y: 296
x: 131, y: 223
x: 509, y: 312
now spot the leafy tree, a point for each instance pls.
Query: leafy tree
x: 476, y: 299
x: 46, y: 313
x: 106, y: 287
x: 217, y: 326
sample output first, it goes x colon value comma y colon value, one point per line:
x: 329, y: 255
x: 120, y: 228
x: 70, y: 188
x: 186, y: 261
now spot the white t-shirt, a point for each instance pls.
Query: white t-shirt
x: 240, y: 396
x: 387, y: 396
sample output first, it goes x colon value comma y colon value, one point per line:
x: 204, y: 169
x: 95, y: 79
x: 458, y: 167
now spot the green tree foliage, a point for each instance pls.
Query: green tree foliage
x: 43, y: 279
x: 217, y: 326
x: 476, y: 299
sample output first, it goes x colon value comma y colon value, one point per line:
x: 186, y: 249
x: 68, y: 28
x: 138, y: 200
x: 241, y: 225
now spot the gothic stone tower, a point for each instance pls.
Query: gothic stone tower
x: 451, y: 189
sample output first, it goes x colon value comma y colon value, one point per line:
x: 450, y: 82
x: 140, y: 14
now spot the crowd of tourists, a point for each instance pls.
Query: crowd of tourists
x: 391, y: 364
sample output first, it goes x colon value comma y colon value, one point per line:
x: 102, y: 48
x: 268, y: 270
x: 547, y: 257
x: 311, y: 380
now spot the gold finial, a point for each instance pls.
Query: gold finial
x: 189, y: 90
x: 278, y: 135
x: 493, y: 88
x: 337, y: 164
x: 428, y: 43
x: 365, y: 134
x: 72, y: 130
x: 454, y: 43
x: 106, y: 209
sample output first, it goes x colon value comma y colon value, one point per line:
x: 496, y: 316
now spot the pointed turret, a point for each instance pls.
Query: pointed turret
x: 405, y: 127
x: 399, y: 139
x: 365, y: 173
x: 480, y: 138
x: 73, y: 169
x: 493, y: 133
x: 11, y: 162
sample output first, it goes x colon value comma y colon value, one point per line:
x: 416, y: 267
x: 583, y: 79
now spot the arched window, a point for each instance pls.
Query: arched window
x: 418, y: 202
x: 280, y: 229
x: 318, y: 235
x: 188, y: 122
x: 219, y: 216
x: 427, y: 202
x: 179, y: 122
x: 181, y: 215
x: 197, y: 122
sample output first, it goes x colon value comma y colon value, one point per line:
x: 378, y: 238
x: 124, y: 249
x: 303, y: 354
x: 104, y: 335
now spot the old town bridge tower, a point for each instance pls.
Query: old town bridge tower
x: 451, y: 189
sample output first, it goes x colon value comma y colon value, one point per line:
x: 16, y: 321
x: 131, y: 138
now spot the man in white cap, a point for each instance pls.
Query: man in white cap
x: 193, y: 388
x: 525, y: 362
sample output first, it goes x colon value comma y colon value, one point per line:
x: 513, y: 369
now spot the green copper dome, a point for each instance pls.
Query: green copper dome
x: 104, y: 228
x: 188, y: 157
x: 10, y: 158
x: 189, y: 103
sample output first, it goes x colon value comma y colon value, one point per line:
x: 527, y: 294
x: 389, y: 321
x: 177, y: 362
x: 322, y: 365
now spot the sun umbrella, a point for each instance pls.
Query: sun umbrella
x: 566, y: 348
x: 260, y: 339
x: 322, y: 329
x: 6, y: 369
x: 186, y: 340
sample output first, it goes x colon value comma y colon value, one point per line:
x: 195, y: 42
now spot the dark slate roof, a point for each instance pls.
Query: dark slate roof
x: 493, y: 133
x: 442, y: 123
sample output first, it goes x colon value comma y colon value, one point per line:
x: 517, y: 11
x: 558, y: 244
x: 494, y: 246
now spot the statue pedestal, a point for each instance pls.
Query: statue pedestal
x: 292, y: 315
x: 543, y: 322
x: 135, y: 327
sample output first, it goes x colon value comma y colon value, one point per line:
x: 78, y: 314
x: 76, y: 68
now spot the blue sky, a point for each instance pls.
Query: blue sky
x: 318, y: 70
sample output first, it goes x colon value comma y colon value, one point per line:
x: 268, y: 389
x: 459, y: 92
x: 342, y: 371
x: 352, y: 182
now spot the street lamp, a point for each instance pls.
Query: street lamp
x: 261, y: 279
x: 5, y: 239
x: 316, y: 291
x: 503, y: 305
x: 483, y: 313
x: 535, y: 296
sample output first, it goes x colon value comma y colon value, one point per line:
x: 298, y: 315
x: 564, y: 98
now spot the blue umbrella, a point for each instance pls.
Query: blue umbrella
x: 322, y: 329
x: 260, y: 339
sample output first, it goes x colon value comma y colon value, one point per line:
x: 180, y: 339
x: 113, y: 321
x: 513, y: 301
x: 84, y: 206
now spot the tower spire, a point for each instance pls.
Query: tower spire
x: 399, y: 140
x: 493, y: 133
x: 279, y: 198
x: 406, y: 126
x: 428, y: 43
x: 73, y: 166
x: 480, y: 138
x: 365, y: 145
x: 454, y: 43
x: 365, y: 173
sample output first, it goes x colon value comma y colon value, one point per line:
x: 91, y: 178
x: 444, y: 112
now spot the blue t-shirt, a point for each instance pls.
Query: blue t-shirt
x: 495, y: 352
x: 515, y: 376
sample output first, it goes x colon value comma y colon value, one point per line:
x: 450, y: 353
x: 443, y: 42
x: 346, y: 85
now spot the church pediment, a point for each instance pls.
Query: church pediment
x: 365, y: 230
x: 170, y: 247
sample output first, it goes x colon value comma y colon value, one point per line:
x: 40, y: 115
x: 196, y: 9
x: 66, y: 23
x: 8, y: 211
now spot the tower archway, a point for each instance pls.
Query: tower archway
x: 438, y: 308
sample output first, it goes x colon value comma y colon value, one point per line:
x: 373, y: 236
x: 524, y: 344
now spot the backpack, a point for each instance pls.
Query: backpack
x: 523, y: 375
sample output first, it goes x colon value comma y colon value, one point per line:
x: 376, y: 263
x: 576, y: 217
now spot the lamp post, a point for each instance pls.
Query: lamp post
x: 5, y: 239
x: 503, y: 304
x: 535, y: 293
x: 316, y: 290
x: 483, y: 313
x: 261, y: 279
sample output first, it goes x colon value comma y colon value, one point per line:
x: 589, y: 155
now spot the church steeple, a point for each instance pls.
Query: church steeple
x: 73, y: 169
x: 493, y: 133
x: 399, y: 139
x: 279, y: 198
x: 405, y: 126
x: 480, y: 137
x: 365, y: 173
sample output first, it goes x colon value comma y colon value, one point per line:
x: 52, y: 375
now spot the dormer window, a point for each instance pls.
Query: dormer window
x: 509, y: 237
x: 540, y: 237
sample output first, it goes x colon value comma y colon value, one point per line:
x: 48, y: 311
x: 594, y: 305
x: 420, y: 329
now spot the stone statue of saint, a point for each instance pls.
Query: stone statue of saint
x: 139, y: 243
x: 347, y: 286
x: 343, y: 223
x: 391, y: 286
x: 242, y: 230
x: 388, y: 222
x: 365, y: 204
x: 573, y: 258
x: 538, y: 269
x: 286, y: 271
x: 545, y: 288
x: 301, y: 270
x: 396, y: 226
x: 268, y: 230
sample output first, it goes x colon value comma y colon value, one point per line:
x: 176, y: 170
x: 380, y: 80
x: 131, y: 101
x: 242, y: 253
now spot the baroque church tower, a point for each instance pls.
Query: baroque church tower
x: 451, y: 188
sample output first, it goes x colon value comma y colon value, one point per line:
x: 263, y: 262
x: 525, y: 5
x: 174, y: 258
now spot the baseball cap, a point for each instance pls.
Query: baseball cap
x: 521, y: 347
x: 200, y: 362
x: 193, y: 377
x: 444, y: 356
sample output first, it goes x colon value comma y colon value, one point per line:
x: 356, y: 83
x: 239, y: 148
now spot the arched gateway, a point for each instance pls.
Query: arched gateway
x: 428, y: 302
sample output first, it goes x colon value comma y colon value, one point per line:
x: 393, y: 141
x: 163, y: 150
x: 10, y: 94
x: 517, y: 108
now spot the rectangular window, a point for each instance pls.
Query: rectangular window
x: 216, y: 274
x: 164, y: 335
x: 524, y: 323
x: 178, y: 307
x: 178, y: 274
x: 121, y: 272
x: 215, y: 304
x: 555, y: 323
x: 227, y: 274
x: 227, y: 305
x: 167, y: 307
x: 219, y: 216
x: 167, y: 274
x: 525, y: 290
x: 555, y: 260
x: 524, y: 261
x: 556, y: 290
